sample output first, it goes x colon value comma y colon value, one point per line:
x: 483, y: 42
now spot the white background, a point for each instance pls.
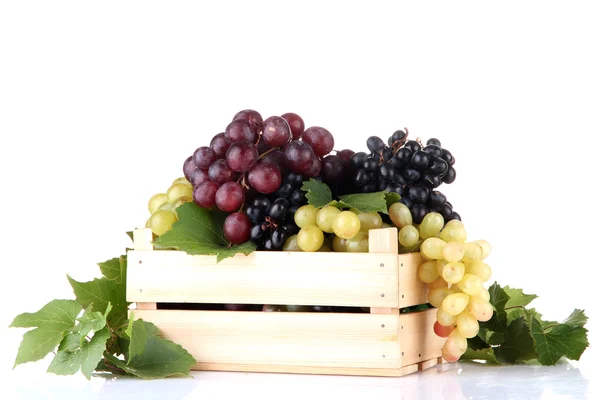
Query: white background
x: 100, y: 104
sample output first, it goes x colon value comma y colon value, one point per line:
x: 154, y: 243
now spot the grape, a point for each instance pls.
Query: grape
x: 413, y: 146
x: 454, y: 251
x: 230, y: 196
x: 403, y: 156
x: 314, y: 169
x: 291, y: 244
x: 339, y: 244
x: 455, y: 215
x: 182, y: 180
x: 220, y: 144
x: 358, y: 159
x: 371, y: 220
x: 436, y: 200
x: 332, y: 169
x: 237, y: 227
x: 219, y: 172
x: 428, y: 272
x: 204, y: 156
x: 433, y: 151
x: 370, y: 164
x: 396, y: 137
x: 362, y: 177
x: 320, y: 139
x: 433, y: 248
x: 299, y: 156
x: 473, y: 251
x: 400, y: 215
x: 449, y: 354
x: 242, y: 156
x: 346, y: 224
x: 240, y: 130
x: 471, y: 284
x: 161, y: 221
x: 276, y: 131
x: 420, y: 159
x: 453, y: 272
x: 455, y: 303
x: 434, y: 142
x: 278, y: 158
x: 457, y: 341
x: 480, y: 269
x: 418, y: 194
x: 359, y: 243
x: 199, y: 176
x: 444, y: 318
x: 306, y: 215
x: 375, y: 144
x: 431, y: 225
x: 450, y: 176
x: 310, y: 238
x: 441, y: 330
x: 296, y: 124
x: 486, y: 248
x: 278, y: 237
x: 298, y: 197
x: 204, y: 194
x: 481, y: 309
x: 418, y: 212
x: 189, y: 166
x: 265, y: 177
x: 440, y: 264
x: 408, y: 236
x: 436, y: 296
x: 278, y: 210
x: 438, y: 283
x: 467, y: 324
x: 325, y: 217
x: 411, y: 174
x: 166, y: 207
x: 483, y: 295
x: 438, y: 167
x: 454, y: 233
x: 156, y: 201
x: 257, y: 232
x: 178, y: 190
x: 345, y: 155
x: 251, y: 116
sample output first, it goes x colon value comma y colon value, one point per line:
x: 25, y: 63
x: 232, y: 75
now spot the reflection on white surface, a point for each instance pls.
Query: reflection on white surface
x: 452, y: 381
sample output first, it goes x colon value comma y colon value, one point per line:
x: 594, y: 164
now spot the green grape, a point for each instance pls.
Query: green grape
x: 433, y: 248
x: 440, y: 266
x: 436, y: 296
x: 428, y: 272
x: 161, y: 221
x: 483, y: 295
x: 458, y: 341
x: 473, y: 251
x: 479, y: 268
x: 444, y: 318
x: 346, y: 224
x: 291, y: 244
x: 156, y: 201
x: 325, y: 218
x: 324, y: 249
x: 178, y: 190
x: 370, y: 220
x: 179, y: 202
x: 408, y: 236
x: 467, y: 324
x: 431, y: 225
x: 306, y: 216
x: 455, y: 303
x: 454, y: 251
x: 182, y: 180
x: 454, y: 233
x: 481, y: 309
x: 359, y: 243
x: 485, y: 247
x: 470, y: 284
x: 454, y: 222
x: 438, y: 283
x: 453, y: 272
x: 400, y: 215
x: 310, y: 238
x: 339, y: 244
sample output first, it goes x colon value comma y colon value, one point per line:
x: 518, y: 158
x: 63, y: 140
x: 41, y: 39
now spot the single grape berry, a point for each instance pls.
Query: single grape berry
x: 450, y: 175
x: 263, y: 203
x: 447, y: 156
x: 220, y: 144
x: 434, y: 142
x: 276, y: 132
x: 189, y: 166
x: 370, y: 164
x: 220, y: 173
x: 403, y: 155
x: 229, y: 196
x: 276, y: 157
x: 265, y: 177
x: 332, y: 168
x: 436, y: 200
x: 417, y: 194
x: 320, y: 139
x: 251, y: 116
x: 204, y: 156
x: 433, y: 150
x: 239, y: 130
x: 357, y: 160
x: 255, y: 214
x: 418, y: 212
x: 412, y: 145
x: 455, y: 215
x: 411, y: 174
x: 375, y: 144
x: 299, y: 156
x: 296, y: 124
x: 420, y: 159
x: 314, y: 169
x: 397, y: 136
x: 362, y: 177
x: 242, y: 156
x: 237, y: 228
x: 199, y: 176
x: 438, y: 167
x: 204, y: 194
x: 278, y: 209
x: 345, y: 155
x: 258, y: 232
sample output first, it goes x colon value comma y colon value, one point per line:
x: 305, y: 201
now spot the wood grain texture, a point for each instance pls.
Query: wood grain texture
x: 427, y: 364
x: 145, y: 306
x: 411, y: 290
x: 417, y: 338
x: 142, y: 239
x: 296, y: 339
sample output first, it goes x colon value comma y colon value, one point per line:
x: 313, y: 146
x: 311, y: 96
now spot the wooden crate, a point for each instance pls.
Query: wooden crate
x: 383, y: 342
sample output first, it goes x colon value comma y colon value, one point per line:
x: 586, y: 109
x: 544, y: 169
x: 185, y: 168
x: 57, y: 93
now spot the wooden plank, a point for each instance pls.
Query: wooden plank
x: 145, y: 306
x: 142, y: 239
x: 383, y: 241
x: 417, y: 338
x: 411, y: 290
x: 334, y: 279
x: 293, y: 369
x: 427, y: 364
x: 280, y: 339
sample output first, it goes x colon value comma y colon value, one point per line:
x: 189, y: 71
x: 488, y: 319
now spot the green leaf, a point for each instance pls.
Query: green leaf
x: 477, y: 343
x: 114, y: 269
x: 517, y: 298
x: 52, y: 323
x: 391, y: 198
x: 71, y: 342
x: 518, y: 344
x: 486, y: 354
x: 318, y: 193
x: 86, y: 358
x: 151, y: 356
x: 200, y: 231
x: 93, y: 320
x: 366, y: 202
x: 130, y: 234
x: 562, y: 340
x: 577, y: 318
x: 498, y: 299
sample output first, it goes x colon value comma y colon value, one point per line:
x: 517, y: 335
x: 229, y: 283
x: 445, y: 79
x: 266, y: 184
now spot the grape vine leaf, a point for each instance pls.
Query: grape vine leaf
x: 318, y: 193
x: 577, y: 318
x: 391, y: 198
x: 516, y: 297
x: 498, y: 299
x: 486, y: 354
x: 85, y: 358
x: 200, y: 231
x: 52, y: 323
x: 114, y: 269
x: 562, y: 340
x: 518, y: 344
x: 365, y: 202
x: 151, y: 356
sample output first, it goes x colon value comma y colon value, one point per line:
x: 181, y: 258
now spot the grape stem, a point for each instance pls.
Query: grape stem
x: 242, y: 181
x: 267, y: 152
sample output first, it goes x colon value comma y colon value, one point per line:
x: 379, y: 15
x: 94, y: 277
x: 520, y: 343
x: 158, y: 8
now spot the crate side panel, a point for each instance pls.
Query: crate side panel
x: 293, y: 339
x: 340, y: 279
x: 411, y: 290
x: 417, y: 339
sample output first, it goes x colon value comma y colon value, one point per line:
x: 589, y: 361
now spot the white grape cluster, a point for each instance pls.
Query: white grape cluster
x: 162, y: 206
x: 455, y: 273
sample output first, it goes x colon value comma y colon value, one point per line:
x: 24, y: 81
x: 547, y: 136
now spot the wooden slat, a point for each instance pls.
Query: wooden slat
x: 427, y: 364
x: 411, y: 290
x: 334, y: 279
x: 383, y: 241
x: 142, y: 239
x: 417, y: 338
x: 145, y: 306
x: 282, y: 339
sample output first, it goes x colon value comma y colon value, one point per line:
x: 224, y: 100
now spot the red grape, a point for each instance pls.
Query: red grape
x: 441, y: 330
x: 204, y: 156
x: 253, y: 117
x: 204, y: 194
x: 199, y: 176
x: 230, y: 196
x: 332, y: 168
x: 314, y: 169
x: 242, y: 156
x: 320, y: 139
x: 220, y: 144
x: 240, y: 130
x: 220, y: 173
x: 278, y: 158
x: 345, y: 155
x: 189, y: 166
x: 299, y: 156
x: 296, y: 124
x: 276, y: 131
x: 265, y: 177
x: 237, y: 227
